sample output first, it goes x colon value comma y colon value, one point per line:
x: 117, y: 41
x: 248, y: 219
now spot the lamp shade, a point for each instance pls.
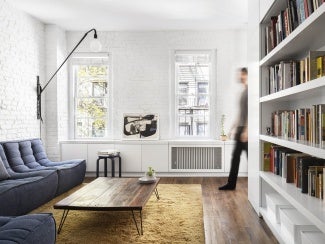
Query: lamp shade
x: 95, y: 45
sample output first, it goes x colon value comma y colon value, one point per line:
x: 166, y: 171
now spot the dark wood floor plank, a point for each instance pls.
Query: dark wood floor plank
x: 228, y: 216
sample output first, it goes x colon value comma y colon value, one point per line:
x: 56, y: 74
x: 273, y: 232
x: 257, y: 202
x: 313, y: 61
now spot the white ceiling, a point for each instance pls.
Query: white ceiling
x: 117, y: 15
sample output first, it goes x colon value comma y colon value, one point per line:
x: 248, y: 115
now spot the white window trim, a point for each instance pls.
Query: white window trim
x: 72, y: 95
x: 174, y: 133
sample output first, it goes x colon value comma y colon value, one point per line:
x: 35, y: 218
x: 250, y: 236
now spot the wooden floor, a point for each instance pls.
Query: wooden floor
x: 228, y: 216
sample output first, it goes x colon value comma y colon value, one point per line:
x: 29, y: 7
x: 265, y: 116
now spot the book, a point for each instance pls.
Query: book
x: 310, y: 4
x: 305, y: 124
x: 312, y: 70
x: 321, y: 123
x: 288, y: 19
x: 306, y: 8
x: 293, y: 13
x: 314, y: 186
x: 304, y: 164
x: 321, y: 186
x: 301, y: 123
x: 267, y: 156
x: 273, y: 33
x: 319, y: 64
x: 323, y: 193
x: 311, y: 181
x: 302, y: 71
x: 324, y: 64
x: 274, y: 156
x: 301, y: 10
x: 291, y: 162
x: 283, y: 152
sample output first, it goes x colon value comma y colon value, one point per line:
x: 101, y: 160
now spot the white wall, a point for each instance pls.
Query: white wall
x: 141, y: 74
x: 21, y: 59
x: 56, y: 105
x: 141, y: 70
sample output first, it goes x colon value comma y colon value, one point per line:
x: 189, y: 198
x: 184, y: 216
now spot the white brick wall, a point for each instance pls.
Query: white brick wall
x: 56, y: 93
x: 21, y: 60
x: 141, y: 70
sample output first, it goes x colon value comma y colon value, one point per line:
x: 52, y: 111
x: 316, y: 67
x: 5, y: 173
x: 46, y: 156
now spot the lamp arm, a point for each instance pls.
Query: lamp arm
x: 48, y: 82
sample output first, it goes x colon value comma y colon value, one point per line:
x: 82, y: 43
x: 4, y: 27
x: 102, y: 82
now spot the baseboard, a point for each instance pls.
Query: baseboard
x: 172, y: 174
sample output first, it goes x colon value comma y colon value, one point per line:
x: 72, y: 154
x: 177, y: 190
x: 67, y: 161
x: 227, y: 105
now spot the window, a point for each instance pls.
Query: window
x: 192, y: 78
x: 90, y: 76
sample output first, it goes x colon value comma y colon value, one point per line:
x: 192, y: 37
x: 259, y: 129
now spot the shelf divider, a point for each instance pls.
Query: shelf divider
x: 301, y: 146
x: 306, y: 90
x: 311, y: 207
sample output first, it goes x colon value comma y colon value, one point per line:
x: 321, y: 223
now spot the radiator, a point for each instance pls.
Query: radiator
x: 196, y: 158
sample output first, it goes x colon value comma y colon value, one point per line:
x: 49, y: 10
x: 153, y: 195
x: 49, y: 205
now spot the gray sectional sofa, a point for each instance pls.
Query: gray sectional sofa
x: 33, y: 229
x: 28, y: 179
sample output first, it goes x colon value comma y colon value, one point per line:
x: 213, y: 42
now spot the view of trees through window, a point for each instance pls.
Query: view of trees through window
x: 91, y: 98
x: 192, y: 90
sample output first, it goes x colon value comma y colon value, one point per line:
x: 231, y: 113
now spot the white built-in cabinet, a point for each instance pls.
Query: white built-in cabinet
x: 131, y: 157
x: 155, y: 156
x: 75, y: 151
x: 137, y: 156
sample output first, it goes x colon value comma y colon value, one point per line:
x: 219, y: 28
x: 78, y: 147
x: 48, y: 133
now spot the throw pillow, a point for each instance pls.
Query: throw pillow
x: 3, y: 171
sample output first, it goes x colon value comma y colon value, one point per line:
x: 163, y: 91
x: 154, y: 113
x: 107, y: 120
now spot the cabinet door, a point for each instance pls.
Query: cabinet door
x: 131, y: 157
x: 243, y: 159
x: 73, y: 151
x: 155, y: 156
x: 92, y: 157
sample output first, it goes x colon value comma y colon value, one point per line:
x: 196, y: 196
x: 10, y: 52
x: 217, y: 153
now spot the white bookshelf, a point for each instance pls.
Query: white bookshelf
x: 308, y: 36
x: 275, y: 227
x: 303, y: 91
x: 313, y: 208
x: 302, y: 39
x: 301, y: 146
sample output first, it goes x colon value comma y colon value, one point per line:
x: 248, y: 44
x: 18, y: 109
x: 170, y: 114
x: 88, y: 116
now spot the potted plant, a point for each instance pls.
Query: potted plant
x: 223, y: 136
x: 151, y: 174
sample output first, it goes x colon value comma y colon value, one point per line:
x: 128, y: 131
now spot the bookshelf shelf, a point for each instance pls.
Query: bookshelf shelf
x: 276, y: 228
x: 302, y: 39
x: 311, y: 207
x: 301, y: 146
x: 306, y: 90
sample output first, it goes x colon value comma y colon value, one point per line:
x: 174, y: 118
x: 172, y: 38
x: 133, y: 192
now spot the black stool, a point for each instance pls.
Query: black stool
x: 112, y: 158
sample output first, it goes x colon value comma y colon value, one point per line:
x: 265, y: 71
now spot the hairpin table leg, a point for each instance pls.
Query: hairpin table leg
x: 64, y: 216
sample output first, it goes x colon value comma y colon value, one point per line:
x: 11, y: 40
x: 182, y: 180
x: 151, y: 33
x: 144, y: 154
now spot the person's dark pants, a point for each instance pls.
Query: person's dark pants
x: 235, y: 161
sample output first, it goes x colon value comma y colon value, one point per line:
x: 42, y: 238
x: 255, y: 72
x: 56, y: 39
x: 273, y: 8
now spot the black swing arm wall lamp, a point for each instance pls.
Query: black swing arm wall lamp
x: 94, y: 45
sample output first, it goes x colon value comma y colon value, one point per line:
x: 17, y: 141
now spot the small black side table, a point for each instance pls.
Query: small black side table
x: 112, y: 158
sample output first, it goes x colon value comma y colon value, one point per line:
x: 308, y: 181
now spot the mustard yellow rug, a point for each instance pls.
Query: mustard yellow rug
x: 176, y: 218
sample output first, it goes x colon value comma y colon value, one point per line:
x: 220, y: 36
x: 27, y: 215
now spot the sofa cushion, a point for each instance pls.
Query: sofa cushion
x: 21, y: 157
x: 21, y: 195
x: 6, y: 185
x: 3, y: 171
x: 28, y: 229
x: 39, y: 152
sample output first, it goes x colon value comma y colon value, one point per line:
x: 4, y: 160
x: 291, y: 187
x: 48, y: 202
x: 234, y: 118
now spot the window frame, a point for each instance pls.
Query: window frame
x: 72, y: 95
x: 212, y: 93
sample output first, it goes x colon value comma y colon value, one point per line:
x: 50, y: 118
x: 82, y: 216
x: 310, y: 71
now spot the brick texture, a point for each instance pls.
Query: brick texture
x: 21, y: 60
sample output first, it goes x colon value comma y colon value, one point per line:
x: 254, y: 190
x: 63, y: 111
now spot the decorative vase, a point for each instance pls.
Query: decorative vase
x: 223, y: 138
x: 150, y: 174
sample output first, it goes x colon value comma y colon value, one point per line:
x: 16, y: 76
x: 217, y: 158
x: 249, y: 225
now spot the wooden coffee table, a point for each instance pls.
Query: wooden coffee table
x: 109, y: 194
